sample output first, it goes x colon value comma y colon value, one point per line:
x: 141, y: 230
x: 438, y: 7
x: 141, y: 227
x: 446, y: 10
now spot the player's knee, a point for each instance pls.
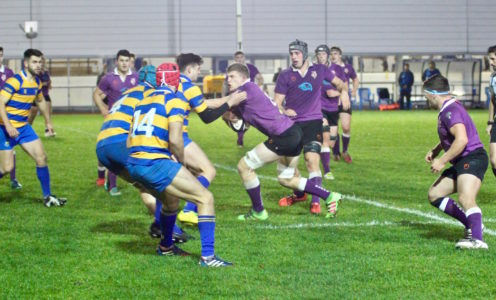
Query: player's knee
x: 7, y: 166
x: 433, y: 195
x: 312, y: 147
x: 206, y: 198
x: 333, y: 138
x: 252, y: 160
x: 41, y: 159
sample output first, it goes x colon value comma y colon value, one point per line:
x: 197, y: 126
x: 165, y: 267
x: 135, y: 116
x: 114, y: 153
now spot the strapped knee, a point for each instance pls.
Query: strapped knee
x: 326, y: 128
x: 285, y: 172
x: 252, y: 160
x: 333, y: 138
x: 312, y: 146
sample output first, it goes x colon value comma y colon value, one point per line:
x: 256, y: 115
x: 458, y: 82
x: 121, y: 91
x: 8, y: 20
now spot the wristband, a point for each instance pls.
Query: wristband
x: 490, y: 122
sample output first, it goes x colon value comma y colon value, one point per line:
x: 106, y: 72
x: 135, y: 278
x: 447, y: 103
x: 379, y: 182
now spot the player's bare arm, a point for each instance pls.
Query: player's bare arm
x: 433, y: 153
x: 176, y: 143
x: 356, y: 84
x: 279, y: 100
x: 460, y: 142
x: 491, y: 114
x: 232, y: 100
x: 344, y: 98
x: 3, y: 114
x: 98, y: 96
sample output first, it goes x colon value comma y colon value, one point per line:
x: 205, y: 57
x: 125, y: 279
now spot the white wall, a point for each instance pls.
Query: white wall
x: 166, y: 27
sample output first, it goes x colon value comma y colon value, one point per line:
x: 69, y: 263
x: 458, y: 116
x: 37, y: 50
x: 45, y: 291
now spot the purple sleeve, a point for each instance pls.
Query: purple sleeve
x: 328, y: 75
x: 282, y: 84
x: 104, y: 85
x: 453, y: 117
x: 255, y: 70
x: 353, y: 74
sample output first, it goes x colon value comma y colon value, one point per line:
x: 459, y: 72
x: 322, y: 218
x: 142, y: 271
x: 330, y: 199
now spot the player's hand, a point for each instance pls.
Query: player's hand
x: 489, y: 128
x: 49, y: 127
x: 437, y: 165
x: 429, y: 156
x: 236, y: 98
x: 13, y: 133
x: 290, y: 113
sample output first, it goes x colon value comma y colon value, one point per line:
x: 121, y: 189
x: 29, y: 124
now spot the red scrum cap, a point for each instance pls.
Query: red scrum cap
x: 168, y: 73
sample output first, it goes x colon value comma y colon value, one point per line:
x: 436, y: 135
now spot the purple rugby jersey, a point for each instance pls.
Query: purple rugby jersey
x: 45, y: 80
x: 453, y: 113
x: 331, y: 104
x: 349, y: 72
x: 261, y: 112
x: 112, y: 85
x: 303, y: 92
x: 5, y: 73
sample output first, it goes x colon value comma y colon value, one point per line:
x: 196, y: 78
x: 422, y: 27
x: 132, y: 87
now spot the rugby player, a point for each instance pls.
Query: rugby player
x: 189, y: 65
x: 344, y: 114
x: 299, y: 88
x: 464, y: 150
x: 491, y: 53
x: 6, y: 73
x: 46, y: 83
x: 156, y: 135
x: 284, y: 145
x: 111, y: 86
x: 16, y: 98
x: 329, y: 109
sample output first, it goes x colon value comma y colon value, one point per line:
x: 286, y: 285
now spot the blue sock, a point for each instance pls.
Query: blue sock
x: 1, y: 175
x: 206, y: 226
x: 44, y: 178
x: 167, y: 222
x: 158, y: 207
x: 191, y: 206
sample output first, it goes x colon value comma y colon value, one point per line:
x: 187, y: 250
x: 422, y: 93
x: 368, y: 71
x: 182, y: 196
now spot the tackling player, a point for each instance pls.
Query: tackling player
x: 299, y: 88
x: 111, y: 86
x: 46, y: 83
x: 189, y: 65
x: 16, y: 98
x: 284, y: 145
x: 6, y: 73
x: 464, y: 150
x: 156, y: 135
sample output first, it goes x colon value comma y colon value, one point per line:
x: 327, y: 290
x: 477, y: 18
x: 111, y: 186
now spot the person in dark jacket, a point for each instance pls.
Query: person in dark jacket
x: 405, y: 81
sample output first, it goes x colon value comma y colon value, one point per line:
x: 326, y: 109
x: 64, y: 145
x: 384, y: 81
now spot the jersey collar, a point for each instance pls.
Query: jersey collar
x: 310, y: 64
x: 116, y: 72
x: 185, y: 77
x: 2, y: 68
x: 447, y: 103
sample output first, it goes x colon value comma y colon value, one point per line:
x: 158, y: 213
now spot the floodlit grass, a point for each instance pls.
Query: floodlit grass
x: 98, y: 247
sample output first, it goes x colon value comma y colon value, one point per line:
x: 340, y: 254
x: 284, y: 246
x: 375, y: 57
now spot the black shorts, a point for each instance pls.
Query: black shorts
x: 287, y: 143
x: 332, y: 117
x: 474, y: 163
x: 341, y: 110
x: 312, y: 131
x: 493, y: 134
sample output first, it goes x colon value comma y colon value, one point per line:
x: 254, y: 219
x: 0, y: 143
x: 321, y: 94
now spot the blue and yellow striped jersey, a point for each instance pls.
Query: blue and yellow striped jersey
x: 149, y: 137
x: 194, y: 95
x: 117, y: 124
x: 21, y: 93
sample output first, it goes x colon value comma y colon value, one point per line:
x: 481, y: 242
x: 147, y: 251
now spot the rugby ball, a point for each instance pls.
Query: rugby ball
x: 238, y: 125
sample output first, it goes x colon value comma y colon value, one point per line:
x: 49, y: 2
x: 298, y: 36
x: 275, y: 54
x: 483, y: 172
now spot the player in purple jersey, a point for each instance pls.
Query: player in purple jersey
x: 111, y: 86
x: 46, y: 86
x: 284, y: 145
x: 344, y: 114
x: 299, y: 88
x: 464, y: 150
x: 239, y: 57
x: 491, y: 130
x: 6, y: 73
x: 330, y: 110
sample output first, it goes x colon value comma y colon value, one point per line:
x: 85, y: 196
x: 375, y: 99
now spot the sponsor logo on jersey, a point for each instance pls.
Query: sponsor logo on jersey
x: 448, y: 115
x: 313, y: 74
x: 133, y: 81
x: 305, y: 86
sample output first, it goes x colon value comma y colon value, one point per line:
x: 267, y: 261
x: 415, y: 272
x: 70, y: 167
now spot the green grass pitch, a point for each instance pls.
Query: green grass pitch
x: 387, y: 241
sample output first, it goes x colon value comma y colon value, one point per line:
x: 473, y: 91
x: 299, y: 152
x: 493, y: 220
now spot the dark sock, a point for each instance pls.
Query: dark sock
x: 474, y: 220
x: 112, y: 180
x: 325, y: 157
x: 346, y: 142
x: 314, y: 189
x: 449, y: 207
x: 13, y: 171
x: 167, y: 222
x: 206, y: 226
x: 335, y: 149
x: 44, y: 178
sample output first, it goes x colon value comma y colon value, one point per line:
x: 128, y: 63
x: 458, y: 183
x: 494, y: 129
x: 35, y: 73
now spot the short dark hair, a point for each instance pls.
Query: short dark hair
x: 491, y: 49
x: 131, y: 55
x: 334, y: 48
x: 32, y: 52
x: 123, y: 52
x: 1, y: 49
x: 184, y: 60
x: 407, y: 64
x: 437, y: 83
x: 239, y: 52
x: 240, y: 68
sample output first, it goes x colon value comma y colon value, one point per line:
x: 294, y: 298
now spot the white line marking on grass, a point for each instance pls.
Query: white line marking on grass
x: 344, y: 224
x: 379, y: 204
x: 81, y: 131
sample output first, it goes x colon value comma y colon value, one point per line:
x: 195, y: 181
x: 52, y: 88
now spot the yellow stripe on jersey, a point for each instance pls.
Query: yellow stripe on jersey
x: 149, y: 137
x: 21, y: 93
x: 194, y: 96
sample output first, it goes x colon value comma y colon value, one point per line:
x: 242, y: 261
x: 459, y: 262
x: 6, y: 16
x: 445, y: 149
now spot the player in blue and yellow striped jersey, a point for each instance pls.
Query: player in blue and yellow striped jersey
x: 16, y: 98
x: 189, y: 65
x: 156, y: 135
